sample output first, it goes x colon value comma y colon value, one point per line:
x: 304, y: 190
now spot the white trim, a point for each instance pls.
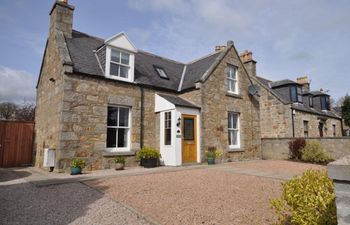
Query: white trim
x: 182, y: 78
x: 109, y: 41
x: 238, y: 129
x: 128, y: 147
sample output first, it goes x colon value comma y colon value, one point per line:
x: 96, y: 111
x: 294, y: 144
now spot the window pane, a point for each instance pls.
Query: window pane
x: 124, y: 71
x: 167, y: 137
x: 311, y: 101
x: 112, y: 116
x: 232, y: 120
x: 231, y: 72
x: 115, y: 56
x: 114, y: 69
x: 232, y: 137
x: 125, y: 58
x: 293, y: 93
x: 122, y: 138
x: 123, y: 117
x: 111, y: 137
x: 188, y: 129
x: 231, y: 85
x: 323, y: 103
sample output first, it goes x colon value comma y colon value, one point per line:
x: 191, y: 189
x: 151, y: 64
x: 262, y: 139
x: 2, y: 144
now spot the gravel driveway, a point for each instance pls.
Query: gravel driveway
x: 235, y: 193
x: 73, y: 203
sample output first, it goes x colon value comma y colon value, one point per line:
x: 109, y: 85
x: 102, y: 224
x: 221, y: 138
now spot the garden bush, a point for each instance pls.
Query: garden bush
x: 314, y: 152
x: 295, y: 147
x: 307, y: 200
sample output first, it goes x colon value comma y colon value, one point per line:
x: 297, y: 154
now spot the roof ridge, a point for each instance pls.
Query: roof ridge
x: 152, y: 54
x: 100, y: 39
x: 201, y: 58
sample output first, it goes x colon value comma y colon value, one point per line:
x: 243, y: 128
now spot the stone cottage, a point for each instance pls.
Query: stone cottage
x: 289, y: 109
x: 99, y: 98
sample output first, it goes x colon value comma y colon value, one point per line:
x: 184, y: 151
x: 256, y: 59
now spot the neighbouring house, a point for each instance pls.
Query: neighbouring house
x: 289, y: 109
x: 346, y: 129
x: 98, y: 98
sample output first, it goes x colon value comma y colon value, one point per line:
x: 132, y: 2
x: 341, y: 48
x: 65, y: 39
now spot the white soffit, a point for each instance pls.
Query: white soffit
x: 121, y: 41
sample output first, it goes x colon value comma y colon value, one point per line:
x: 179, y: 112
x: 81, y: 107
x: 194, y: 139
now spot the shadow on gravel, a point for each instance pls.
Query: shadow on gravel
x: 24, y: 203
x: 9, y: 174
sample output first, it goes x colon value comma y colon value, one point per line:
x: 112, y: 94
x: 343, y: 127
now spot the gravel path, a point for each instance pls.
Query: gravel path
x: 73, y: 203
x: 211, y: 195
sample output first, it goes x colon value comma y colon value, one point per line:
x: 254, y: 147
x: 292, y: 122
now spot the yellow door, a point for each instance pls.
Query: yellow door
x: 189, y: 139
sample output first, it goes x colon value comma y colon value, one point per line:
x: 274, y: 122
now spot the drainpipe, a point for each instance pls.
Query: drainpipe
x: 293, y: 112
x: 142, y: 116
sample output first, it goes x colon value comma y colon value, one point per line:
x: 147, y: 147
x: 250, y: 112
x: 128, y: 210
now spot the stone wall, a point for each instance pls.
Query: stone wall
x: 277, y: 148
x: 217, y: 102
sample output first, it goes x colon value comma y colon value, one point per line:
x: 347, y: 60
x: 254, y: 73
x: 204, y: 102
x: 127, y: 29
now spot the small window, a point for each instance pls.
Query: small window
x: 296, y: 94
x: 118, y: 128
x: 161, y: 72
x: 233, y: 130
x: 334, y: 130
x: 119, y: 65
x: 232, y: 83
x: 311, y: 101
x: 306, y: 128
x: 300, y: 94
x: 325, y: 103
x: 167, y: 128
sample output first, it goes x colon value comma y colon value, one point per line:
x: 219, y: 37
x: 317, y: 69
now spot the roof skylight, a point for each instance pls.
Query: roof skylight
x: 161, y: 72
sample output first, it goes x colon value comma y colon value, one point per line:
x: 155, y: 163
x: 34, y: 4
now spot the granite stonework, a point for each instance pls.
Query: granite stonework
x: 277, y: 148
x: 339, y: 171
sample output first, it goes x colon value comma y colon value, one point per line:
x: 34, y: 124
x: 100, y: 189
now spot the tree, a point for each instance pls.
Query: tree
x: 26, y: 112
x: 345, y: 110
x: 7, y: 110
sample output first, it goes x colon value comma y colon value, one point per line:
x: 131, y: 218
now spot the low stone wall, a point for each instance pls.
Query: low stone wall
x: 339, y: 171
x: 277, y: 148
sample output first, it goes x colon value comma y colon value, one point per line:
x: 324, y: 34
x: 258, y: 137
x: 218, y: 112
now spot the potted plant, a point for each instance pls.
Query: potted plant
x: 76, y: 166
x: 119, y: 162
x: 212, y: 153
x: 148, y: 157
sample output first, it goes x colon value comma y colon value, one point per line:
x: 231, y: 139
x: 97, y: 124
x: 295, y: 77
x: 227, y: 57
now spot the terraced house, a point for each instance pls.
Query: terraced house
x: 97, y: 98
x: 290, y: 109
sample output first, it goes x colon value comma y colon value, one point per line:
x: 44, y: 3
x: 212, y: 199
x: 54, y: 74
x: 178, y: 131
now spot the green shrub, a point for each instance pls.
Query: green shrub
x: 307, y: 200
x: 120, y: 159
x: 147, y: 153
x: 314, y: 152
x: 212, y: 152
x: 295, y: 147
x: 78, y: 163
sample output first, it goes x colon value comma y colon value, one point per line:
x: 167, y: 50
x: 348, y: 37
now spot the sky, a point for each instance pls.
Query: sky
x: 288, y: 39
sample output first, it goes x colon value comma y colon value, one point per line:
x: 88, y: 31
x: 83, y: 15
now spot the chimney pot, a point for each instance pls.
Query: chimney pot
x: 219, y: 48
x: 246, y: 56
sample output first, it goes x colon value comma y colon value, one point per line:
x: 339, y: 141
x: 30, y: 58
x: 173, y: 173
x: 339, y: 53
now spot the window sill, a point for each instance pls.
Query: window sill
x: 235, y: 150
x: 124, y: 153
x: 230, y: 94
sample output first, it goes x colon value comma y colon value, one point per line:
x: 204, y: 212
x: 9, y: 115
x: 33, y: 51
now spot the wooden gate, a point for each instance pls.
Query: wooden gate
x: 16, y: 143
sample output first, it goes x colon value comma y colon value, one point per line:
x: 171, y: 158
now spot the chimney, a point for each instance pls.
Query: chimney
x: 220, y: 48
x: 249, y: 63
x: 304, y: 82
x: 61, y: 18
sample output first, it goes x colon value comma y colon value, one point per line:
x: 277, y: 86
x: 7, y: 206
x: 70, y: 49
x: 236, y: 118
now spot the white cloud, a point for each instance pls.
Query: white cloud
x: 16, y: 85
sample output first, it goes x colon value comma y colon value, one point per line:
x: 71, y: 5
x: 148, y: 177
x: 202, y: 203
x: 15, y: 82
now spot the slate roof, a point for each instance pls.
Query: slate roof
x: 275, y: 87
x: 88, y: 57
x: 178, y: 101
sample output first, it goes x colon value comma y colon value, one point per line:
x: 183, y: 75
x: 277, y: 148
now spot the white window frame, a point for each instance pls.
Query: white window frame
x: 166, y: 127
x: 230, y: 79
x: 123, y: 149
x: 238, y: 145
x: 131, y: 66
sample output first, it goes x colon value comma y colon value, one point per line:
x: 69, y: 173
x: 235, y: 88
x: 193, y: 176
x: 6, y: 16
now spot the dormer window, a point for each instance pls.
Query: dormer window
x: 161, y: 72
x: 120, y: 58
x: 325, y: 105
x: 296, y: 94
x: 311, y: 101
x: 119, y: 64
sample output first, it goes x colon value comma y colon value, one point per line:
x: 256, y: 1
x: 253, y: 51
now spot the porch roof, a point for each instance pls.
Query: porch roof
x: 178, y: 101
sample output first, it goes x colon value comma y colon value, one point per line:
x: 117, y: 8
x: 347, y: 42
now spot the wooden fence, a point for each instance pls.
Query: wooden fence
x: 16, y: 143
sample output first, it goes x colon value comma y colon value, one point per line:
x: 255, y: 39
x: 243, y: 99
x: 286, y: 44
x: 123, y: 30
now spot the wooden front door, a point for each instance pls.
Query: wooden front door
x: 189, y: 139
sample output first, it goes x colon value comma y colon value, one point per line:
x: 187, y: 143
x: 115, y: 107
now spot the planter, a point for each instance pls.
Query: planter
x: 75, y: 170
x: 149, y: 163
x: 211, y: 161
x: 119, y: 166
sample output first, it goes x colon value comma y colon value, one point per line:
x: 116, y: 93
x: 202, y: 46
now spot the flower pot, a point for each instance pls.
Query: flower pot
x: 149, y: 163
x: 119, y: 166
x: 211, y: 161
x: 75, y: 170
